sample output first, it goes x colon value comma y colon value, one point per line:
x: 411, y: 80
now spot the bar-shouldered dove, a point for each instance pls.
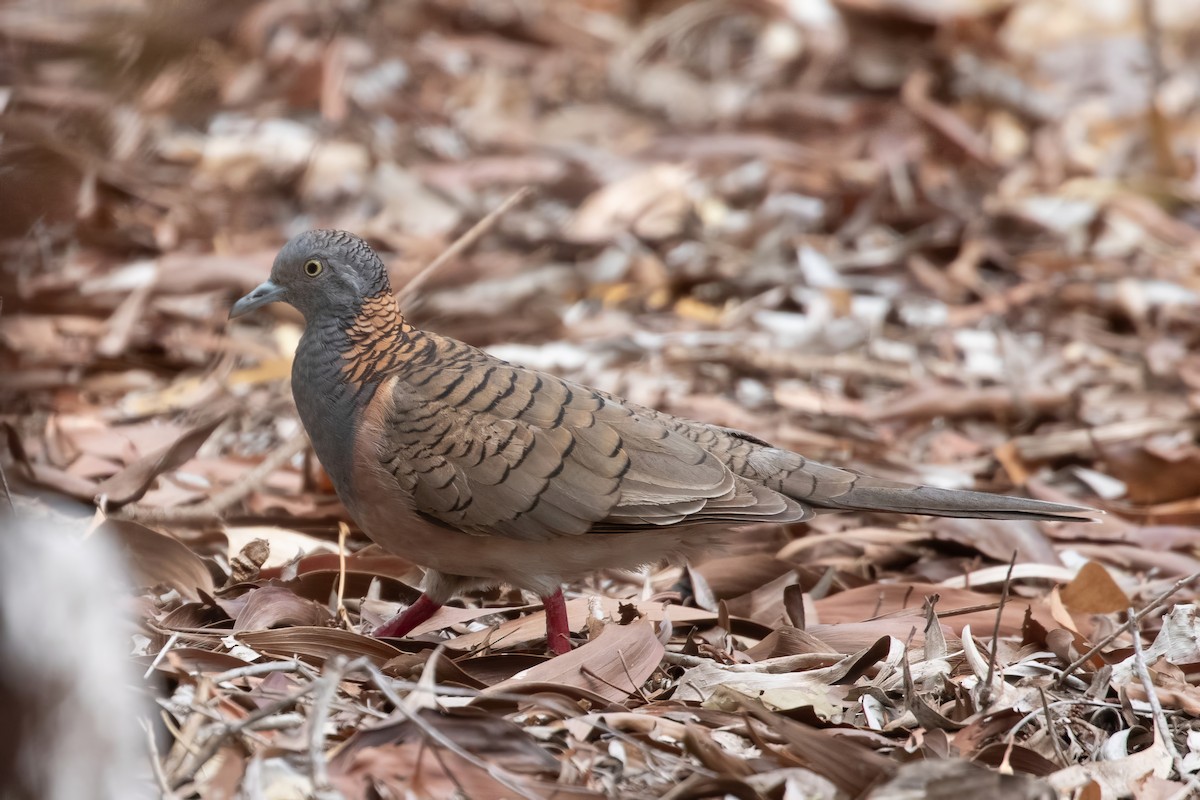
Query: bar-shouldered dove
x: 485, y: 472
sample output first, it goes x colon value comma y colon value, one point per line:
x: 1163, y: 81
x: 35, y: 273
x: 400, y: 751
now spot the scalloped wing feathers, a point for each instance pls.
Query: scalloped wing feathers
x: 490, y: 448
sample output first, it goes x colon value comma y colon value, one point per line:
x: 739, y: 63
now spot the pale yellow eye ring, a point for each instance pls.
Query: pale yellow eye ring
x: 312, y: 268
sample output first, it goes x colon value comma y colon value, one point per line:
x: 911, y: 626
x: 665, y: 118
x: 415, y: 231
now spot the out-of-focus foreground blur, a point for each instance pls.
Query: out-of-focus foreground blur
x: 71, y: 712
x: 955, y: 242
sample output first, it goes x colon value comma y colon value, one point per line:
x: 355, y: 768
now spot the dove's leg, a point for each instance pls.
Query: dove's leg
x: 411, y: 617
x: 558, y: 631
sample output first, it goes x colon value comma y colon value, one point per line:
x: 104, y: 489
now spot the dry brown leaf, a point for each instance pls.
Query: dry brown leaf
x: 414, y: 770
x: 319, y: 644
x: 613, y: 665
x: 948, y: 401
x: 1114, y: 777
x: 1093, y: 591
x: 1151, y: 479
x: 1178, y: 641
x: 898, y: 603
x: 275, y: 607
x: 952, y: 779
x: 738, y: 575
x: 849, y: 766
x: 132, y: 482
x: 155, y: 559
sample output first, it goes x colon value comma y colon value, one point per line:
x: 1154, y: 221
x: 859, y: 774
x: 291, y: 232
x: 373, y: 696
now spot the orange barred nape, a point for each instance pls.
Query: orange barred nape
x: 379, y: 338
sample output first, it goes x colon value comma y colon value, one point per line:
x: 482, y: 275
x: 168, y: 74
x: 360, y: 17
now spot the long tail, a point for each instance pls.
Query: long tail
x: 831, y: 488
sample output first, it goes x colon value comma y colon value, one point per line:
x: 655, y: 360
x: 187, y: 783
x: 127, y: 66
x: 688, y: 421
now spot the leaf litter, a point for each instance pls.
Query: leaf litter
x: 950, y: 243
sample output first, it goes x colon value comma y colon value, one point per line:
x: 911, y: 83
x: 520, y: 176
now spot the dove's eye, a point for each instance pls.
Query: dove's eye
x: 312, y: 268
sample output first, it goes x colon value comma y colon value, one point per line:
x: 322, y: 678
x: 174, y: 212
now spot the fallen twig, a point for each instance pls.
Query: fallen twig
x: 254, y: 670
x: 474, y: 234
x: 327, y: 686
x: 1112, y: 637
x: 1160, y: 720
x: 342, y: 615
x: 217, y: 738
x: 214, y: 507
x: 985, y: 691
x: 1062, y: 757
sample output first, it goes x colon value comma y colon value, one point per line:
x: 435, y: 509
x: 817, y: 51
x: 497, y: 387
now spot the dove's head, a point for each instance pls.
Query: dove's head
x: 323, y: 273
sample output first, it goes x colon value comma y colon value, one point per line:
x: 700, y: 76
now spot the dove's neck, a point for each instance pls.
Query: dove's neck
x: 378, y: 340
x: 339, y: 363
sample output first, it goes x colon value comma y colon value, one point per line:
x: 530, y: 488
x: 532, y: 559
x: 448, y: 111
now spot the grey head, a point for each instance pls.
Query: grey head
x: 323, y: 273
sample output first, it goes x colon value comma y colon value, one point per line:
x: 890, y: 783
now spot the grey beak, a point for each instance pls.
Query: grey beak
x: 265, y: 292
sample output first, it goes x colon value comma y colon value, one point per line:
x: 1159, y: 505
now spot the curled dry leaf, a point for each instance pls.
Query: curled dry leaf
x: 245, y: 564
x: 981, y: 664
x: 131, y: 483
x: 850, y: 766
x: 780, y: 684
x: 284, y: 545
x: 319, y: 644
x: 490, y: 738
x: 902, y: 605
x: 275, y: 607
x: 155, y: 559
x: 502, y: 755
x: 1178, y: 640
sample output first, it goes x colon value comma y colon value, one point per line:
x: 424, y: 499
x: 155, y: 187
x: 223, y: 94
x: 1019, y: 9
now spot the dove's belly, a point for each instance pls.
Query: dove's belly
x: 540, y: 566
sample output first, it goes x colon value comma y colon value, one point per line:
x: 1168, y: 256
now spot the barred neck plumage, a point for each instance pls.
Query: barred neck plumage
x: 379, y: 340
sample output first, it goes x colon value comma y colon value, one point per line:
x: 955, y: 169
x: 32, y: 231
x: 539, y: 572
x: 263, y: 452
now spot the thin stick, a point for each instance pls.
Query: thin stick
x: 254, y: 670
x: 587, y: 671
x: 636, y: 687
x: 212, y: 508
x: 1156, y: 712
x: 1112, y: 637
x: 327, y: 688
x: 215, y: 740
x: 1032, y: 715
x: 476, y: 232
x: 184, y: 746
x: 1062, y: 757
x: 161, y: 654
x: 985, y: 693
x: 156, y: 761
x: 343, y: 532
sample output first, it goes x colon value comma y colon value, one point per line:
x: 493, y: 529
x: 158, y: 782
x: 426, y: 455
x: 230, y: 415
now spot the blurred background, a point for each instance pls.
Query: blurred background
x: 955, y: 242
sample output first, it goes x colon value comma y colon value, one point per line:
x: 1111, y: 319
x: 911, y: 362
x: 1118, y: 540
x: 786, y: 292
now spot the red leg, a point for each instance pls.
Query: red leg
x: 409, y: 618
x: 558, y: 630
